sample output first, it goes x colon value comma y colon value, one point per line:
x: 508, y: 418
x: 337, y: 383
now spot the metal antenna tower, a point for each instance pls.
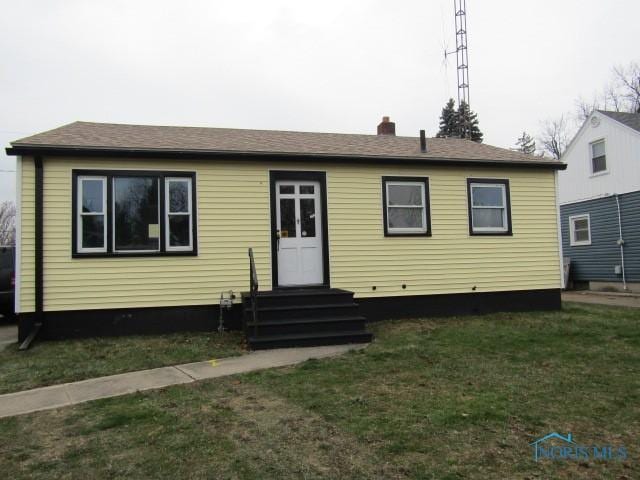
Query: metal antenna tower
x: 462, y: 60
x: 462, y: 55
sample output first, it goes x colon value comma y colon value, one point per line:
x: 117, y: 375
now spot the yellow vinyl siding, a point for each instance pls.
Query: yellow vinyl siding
x: 234, y: 214
x: 27, y: 235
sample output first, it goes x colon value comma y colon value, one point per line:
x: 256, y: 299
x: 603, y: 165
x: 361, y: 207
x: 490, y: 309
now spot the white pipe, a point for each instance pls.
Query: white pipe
x: 559, y: 231
x: 621, y: 243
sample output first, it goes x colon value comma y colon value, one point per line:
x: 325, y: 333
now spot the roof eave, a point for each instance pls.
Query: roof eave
x: 49, y: 150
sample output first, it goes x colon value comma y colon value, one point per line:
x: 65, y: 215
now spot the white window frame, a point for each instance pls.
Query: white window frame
x: 397, y: 230
x: 504, y: 207
x: 79, y: 213
x: 591, y: 157
x: 572, y: 240
x: 167, y: 214
x: 113, y: 212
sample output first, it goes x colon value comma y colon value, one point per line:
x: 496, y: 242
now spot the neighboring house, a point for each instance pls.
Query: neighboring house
x: 132, y: 228
x: 600, y: 201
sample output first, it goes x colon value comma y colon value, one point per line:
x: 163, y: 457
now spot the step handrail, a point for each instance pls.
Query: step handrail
x: 253, y: 291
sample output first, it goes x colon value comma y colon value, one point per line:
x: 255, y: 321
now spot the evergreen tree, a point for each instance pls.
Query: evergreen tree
x: 526, y: 144
x: 448, y: 122
x: 467, y: 123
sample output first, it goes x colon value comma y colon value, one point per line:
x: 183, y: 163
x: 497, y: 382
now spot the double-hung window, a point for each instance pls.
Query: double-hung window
x: 580, y: 230
x: 406, y: 206
x: 489, y: 207
x: 134, y: 213
x: 598, y: 157
x: 91, y: 235
x: 179, y: 218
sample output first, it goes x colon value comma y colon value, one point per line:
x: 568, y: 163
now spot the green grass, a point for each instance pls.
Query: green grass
x: 441, y: 398
x: 51, y: 362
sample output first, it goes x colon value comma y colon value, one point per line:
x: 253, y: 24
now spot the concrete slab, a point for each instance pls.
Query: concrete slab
x: 33, y: 400
x: 115, y: 385
x: 104, y: 387
x: 602, y: 298
x: 260, y: 360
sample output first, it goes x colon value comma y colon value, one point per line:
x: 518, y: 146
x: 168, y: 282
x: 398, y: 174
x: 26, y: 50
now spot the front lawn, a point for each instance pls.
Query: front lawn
x: 51, y: 362
x: 441, y: 398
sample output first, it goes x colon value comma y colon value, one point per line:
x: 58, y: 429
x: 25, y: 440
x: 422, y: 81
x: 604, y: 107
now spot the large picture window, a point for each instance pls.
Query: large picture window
x: 136, y: 214
x: 406, y: 206
x: 133, y: 213
x: 489, y: 207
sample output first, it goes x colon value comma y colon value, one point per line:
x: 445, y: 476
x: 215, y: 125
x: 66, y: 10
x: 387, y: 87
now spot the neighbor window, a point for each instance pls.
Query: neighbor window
x: 146, y: 213
x: 489, y: 208
x: 580, y: 230
x: 598, y: 157
x: 406, y: 206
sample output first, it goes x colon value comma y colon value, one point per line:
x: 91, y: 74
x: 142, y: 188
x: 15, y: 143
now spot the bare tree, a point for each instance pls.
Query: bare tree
x: 627, y: 81
x: 621, y: 94
x: 585, y: 108
x: 612, y: 98
x: 555, y: 136
x: 7, y: 223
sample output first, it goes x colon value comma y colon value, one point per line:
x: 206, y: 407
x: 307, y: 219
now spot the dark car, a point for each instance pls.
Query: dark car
x: 7, y: 281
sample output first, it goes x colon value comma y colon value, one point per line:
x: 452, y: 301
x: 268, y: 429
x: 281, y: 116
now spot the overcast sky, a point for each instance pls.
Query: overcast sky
x: 335, y: 66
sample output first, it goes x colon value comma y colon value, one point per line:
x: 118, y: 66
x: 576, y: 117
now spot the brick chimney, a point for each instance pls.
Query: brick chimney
x: 386, y: 127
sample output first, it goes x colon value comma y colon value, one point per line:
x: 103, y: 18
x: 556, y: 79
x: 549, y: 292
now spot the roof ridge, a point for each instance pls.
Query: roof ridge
x: 238, y: 129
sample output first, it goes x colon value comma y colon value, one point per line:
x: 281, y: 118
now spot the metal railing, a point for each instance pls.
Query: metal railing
x: 253, y: 287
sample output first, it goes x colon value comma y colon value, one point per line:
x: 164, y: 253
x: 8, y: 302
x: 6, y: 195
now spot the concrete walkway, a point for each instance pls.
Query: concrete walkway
x: 603, y: 298
x: 103, y: 387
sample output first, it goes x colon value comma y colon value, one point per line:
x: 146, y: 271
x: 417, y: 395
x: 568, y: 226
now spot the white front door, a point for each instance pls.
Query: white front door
x: 299, y: 228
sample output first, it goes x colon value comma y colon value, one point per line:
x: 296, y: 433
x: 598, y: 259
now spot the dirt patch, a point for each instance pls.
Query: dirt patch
x: 278, y: 431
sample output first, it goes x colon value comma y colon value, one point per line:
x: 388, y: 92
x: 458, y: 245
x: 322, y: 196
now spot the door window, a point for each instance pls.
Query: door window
x: 287, y: 217
x: 308, y: 217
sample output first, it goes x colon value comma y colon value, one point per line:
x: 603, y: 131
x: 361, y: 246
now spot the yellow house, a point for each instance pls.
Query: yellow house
x: 133, y: 228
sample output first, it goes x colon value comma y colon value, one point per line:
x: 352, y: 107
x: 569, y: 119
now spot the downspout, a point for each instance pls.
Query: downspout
x: 621, y: 243
x: 563, y: 281
x: 39, y: 230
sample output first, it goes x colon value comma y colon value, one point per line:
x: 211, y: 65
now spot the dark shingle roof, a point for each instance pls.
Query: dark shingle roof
x: 84, y: 136
x: 629, y: 119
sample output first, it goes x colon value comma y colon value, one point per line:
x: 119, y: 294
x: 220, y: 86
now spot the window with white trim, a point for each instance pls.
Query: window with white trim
x: 580, y: 230
x: 598, y: 157
x: 91, y: 236
x: 179, y: 220
x: 133, y: 213
x: 406, y: 206
x: 489, y: 207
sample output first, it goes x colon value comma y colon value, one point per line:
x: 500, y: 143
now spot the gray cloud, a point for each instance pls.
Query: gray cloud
x: 323, y: 66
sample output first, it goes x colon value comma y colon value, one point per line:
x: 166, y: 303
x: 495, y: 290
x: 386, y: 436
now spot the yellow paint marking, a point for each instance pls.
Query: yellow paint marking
x: 213, y: 362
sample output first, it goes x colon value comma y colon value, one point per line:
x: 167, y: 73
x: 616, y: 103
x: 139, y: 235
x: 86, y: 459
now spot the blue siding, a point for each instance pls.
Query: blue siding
x: 597, y: 261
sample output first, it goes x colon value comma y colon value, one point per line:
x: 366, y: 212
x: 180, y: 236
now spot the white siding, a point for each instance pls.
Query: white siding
x: 623, y: 162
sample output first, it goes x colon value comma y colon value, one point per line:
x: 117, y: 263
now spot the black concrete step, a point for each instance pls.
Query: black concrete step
x: 307, y: 325
x: 288, y: 312
x: 303, y: 296
x: 308, y: 340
